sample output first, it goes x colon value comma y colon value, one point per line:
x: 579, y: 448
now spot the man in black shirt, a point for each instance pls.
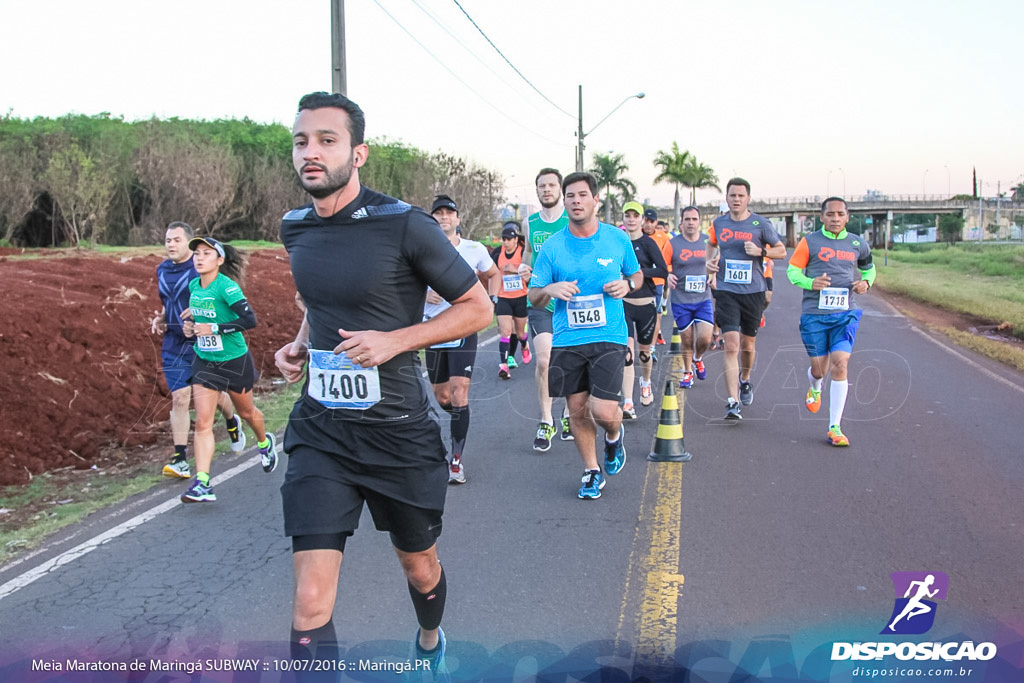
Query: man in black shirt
x: 362, y: 432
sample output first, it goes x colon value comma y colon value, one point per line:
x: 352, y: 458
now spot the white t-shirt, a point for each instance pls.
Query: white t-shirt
x: 478, y: 258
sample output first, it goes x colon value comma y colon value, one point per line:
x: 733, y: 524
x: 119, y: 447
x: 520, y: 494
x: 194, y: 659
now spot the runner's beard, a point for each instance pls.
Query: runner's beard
x: 331, y: 182
x: 554, y: 203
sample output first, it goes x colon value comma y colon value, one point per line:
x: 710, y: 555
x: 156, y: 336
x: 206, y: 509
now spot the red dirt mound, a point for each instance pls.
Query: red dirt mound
x: 79, y: 368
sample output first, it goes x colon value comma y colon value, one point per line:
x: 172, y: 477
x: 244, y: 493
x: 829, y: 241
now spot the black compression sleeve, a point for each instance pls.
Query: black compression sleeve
x: 246, y: 318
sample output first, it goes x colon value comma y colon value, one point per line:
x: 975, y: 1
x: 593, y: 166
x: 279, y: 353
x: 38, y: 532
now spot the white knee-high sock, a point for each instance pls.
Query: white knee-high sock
x: 815, y: 381
x: 837, y: 400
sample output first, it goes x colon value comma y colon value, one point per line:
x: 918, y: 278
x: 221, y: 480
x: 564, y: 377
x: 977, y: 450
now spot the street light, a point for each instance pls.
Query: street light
x: 581, y: 136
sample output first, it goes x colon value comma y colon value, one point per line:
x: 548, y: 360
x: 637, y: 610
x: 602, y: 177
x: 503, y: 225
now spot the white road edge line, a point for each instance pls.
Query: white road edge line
x: 88, y: 546
x: 977, y: 366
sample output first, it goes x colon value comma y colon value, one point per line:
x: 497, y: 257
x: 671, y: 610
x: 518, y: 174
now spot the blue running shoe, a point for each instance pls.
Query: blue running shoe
x: 593, y: 482
x: 268, y: 455
x: 432, y: 661
x: 198, y: 493
x: 615, y: 454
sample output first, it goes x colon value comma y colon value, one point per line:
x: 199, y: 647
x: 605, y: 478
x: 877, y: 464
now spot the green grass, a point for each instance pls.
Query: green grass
x: 55, y: 500
x: 984, y: 281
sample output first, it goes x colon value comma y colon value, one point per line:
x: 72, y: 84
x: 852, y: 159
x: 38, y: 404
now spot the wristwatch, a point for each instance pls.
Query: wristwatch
x: 764, y: 251
x: 629, y: 281
x: 214, y: 328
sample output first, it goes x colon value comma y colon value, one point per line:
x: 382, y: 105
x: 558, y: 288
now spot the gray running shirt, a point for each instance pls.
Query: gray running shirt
x: 689, y: 265
x: 737, y: 271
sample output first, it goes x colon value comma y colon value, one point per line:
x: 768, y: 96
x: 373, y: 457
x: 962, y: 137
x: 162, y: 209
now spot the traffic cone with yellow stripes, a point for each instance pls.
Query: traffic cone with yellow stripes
x: 668, y: 441
x: 675, y: 354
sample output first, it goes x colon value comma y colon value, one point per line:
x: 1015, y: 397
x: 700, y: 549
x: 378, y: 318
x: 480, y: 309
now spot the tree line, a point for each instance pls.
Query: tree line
x: 80, y: 179
x: 679, y: 167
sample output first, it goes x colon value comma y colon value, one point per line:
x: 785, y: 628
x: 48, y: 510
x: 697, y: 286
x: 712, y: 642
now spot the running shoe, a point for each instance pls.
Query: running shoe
x: 456, y: 472
x: 732, y: 410
x: 177, y: 469
x: 813, y: 400
x: 434, y: 658
x: 237, y: 436
x: 512, y: 364
x: 661, y: 338
x: 687, y: 381
x: 268, y: 455
x: 527, y: 356
x: 836, y: 436
x: 628, y: 411
x: 566, y: 434
x: 593, y: 482
x: 543, y: 441
x: 198, y: 493
x: 654, y: 355
x: 503, y: 371
x: 746, y: 393
x: 615, y: 454
x: 646, y: 395
x: 702, y: 372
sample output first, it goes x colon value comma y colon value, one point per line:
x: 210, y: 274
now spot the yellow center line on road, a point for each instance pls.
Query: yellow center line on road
x: 654, y: 561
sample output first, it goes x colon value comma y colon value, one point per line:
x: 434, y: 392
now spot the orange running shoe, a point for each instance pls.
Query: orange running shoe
x: 813, y: 400
x: 836, y: 436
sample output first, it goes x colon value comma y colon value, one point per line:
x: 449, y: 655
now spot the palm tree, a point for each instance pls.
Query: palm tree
x: 698, y: 176
x: 609, y: 171
x: 672, y: 169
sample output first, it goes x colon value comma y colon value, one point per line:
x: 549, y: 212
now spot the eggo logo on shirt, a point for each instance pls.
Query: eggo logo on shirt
x: 686, y: 254
x: 728, y: 234
x: 828, y: 253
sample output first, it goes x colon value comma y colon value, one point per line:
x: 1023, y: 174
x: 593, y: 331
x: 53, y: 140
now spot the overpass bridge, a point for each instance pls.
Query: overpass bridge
x: 977, y: 213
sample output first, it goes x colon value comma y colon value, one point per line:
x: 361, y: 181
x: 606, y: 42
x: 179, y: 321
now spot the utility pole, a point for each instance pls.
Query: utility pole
x: 339, y: 80
x: 579, y: 135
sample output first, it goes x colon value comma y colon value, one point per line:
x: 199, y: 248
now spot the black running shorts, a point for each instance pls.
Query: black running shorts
x: 594, y: 368
x: 739, y: 312
x: 641, y: 321
x: 539, y: 321
x: 443, y: 364
x: 324, y: 491
x: 515, y: 307
x: 236, y: 375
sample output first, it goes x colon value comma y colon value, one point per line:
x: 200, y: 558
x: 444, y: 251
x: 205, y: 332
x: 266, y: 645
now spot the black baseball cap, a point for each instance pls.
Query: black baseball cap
x: 444, y: 201
x: 509, y: 230
x: 208, y: 241
x: 651, y: 214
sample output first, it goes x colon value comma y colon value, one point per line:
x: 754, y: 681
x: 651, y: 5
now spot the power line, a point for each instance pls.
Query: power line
x: 535, y: 88
x: 461, y: 43
x: 468, y: 87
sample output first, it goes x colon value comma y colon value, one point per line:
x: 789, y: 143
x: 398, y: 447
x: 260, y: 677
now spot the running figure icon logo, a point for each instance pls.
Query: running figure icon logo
x: 916, y: 592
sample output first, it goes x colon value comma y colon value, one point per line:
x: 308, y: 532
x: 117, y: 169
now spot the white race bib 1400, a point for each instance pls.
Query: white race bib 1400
x: 337, y: 382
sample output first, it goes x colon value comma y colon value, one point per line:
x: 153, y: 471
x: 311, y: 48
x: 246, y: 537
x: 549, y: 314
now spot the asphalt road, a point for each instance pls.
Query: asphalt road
x: 751, y: 560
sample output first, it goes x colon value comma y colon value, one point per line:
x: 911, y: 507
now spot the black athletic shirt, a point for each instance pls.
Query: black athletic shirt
x: 368, y: 267
x: 652, y: 264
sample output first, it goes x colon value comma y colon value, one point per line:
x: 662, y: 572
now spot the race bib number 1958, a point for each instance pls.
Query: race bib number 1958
x: 337, y: 382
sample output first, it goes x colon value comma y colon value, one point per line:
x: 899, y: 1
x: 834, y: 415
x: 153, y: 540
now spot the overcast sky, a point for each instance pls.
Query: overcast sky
x: 799, y: 97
